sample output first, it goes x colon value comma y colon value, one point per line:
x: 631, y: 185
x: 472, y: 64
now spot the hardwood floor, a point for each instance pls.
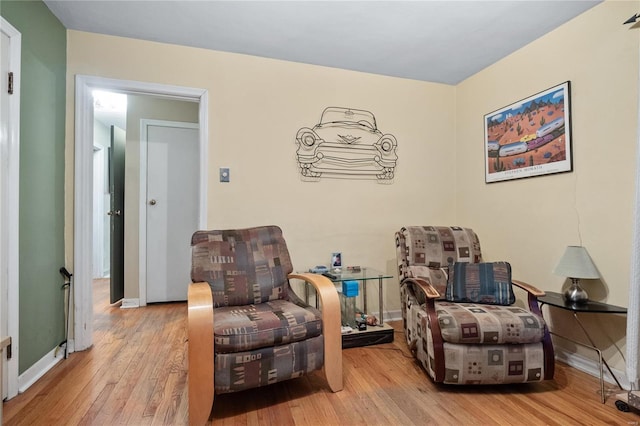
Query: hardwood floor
x: 136, y: 374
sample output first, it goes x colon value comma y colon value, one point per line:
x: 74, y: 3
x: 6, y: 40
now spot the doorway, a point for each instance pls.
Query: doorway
x: 109, y: 142
x: 83, y: 197
x: 169, y: 154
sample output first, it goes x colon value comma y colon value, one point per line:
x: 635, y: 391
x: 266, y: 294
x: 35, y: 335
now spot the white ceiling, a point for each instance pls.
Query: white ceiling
x: 437, y: 41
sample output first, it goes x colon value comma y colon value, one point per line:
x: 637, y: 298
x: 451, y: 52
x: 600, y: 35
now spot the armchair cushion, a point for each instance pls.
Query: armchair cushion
x: 241, y: 271
x: 279, y: 322
x: 245, y: 370
x: 488, y: 324
x: 493, y: 364
x: 488, y: 283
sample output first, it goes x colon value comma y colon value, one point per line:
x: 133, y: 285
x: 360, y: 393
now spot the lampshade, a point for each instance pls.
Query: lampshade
x: 576, y: 263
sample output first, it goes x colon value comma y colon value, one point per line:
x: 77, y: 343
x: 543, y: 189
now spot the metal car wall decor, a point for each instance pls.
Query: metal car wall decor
x: 346, y: 144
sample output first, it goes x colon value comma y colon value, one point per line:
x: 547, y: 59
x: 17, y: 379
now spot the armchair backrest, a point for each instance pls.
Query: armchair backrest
x: 242, y: 266
x: 426, y: 251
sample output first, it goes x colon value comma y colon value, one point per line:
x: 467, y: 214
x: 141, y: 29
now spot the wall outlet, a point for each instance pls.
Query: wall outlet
x: 224, y: 174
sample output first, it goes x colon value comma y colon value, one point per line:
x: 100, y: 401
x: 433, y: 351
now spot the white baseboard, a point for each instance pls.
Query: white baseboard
x: 37, y: 370
x: 590, y: 367
x: 392, y: 315
x: 130, y: 303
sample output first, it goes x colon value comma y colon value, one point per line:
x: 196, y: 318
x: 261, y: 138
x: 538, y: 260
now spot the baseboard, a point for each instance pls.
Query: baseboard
x: 590, y: 367
x: 37, y: 370
x: 130, y: 303
x: 392, y: 316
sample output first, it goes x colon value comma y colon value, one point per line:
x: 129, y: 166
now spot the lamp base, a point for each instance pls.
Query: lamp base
x: 575, y: 293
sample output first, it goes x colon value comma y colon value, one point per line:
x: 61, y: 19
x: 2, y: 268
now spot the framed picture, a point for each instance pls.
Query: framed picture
x: 336, y: 260
x: 531, y: 137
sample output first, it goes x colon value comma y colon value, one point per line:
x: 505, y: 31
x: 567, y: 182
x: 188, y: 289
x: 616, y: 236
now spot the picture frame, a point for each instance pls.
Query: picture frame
x: 336, y: 261
x: 530, y: 137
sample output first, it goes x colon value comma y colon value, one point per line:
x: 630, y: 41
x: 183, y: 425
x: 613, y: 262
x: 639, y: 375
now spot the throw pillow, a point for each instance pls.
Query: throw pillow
x: 488, y: 283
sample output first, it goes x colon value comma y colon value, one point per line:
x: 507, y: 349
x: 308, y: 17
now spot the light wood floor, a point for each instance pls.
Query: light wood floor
x: 136, y: 373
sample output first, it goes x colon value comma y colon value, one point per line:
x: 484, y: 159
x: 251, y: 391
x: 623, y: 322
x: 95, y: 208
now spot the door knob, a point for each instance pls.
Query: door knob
x: 114, y: 213
x: 153, y: 202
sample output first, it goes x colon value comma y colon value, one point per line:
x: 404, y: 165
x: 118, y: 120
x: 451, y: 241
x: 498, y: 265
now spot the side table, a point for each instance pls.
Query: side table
x: 557, y: 301
x: 382, y: 333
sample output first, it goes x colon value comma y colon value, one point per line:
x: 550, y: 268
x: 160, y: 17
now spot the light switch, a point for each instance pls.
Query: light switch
x: 224, y: 174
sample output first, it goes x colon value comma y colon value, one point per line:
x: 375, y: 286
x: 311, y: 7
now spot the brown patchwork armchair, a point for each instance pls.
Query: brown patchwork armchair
x: 247, y: 328
x: 458, y: 313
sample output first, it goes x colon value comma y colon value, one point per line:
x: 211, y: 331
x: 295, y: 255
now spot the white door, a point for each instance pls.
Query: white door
x: 9, y: 222
x: 172, y: 207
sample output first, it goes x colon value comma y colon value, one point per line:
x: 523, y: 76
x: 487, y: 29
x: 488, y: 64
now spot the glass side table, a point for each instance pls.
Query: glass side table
x: 382, y: 333
x: 557, y: 301
x: 364, y: 276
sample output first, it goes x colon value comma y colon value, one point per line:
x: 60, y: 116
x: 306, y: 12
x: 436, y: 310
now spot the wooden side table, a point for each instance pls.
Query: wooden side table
x: 557, y: 301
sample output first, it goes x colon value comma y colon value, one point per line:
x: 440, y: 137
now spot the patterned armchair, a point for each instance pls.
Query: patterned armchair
x: 466, y: 343
x: 247, y: 328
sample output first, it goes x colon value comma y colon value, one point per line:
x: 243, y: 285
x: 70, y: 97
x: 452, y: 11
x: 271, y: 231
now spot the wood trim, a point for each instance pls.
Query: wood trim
x: 549, y: 355
x: 201, y: 356
x: 5, y: 342
x: 528, y: 288
x: 331, y: 322
x: 436, y: 334
x: 532, y: 295
x: 438, y: 342
x: 547, y: 345
x: 429, y: 291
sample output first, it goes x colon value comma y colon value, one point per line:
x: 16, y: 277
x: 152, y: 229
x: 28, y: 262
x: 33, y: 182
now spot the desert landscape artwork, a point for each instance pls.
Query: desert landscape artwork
x: 531, y: 137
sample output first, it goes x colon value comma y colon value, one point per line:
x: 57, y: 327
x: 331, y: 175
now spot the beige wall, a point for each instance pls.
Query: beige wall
x: 529, y: 222
x: 256, y: 106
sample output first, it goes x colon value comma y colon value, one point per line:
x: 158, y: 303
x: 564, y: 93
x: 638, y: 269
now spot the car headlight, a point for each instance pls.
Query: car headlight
x: 387, y: 143
x: 307, y: 138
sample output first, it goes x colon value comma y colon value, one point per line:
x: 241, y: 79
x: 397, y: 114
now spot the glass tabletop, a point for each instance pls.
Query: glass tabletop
x: 557, y: 300
x: 363, y: 274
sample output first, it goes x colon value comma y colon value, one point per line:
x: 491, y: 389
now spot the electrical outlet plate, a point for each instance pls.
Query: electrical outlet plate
x: 224, y: 174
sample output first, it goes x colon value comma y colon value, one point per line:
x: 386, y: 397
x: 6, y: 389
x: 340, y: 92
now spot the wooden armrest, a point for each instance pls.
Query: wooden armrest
x: 429, y: 291
x: 331, y: 326
x: 201, y: 358
x: 528, y: 288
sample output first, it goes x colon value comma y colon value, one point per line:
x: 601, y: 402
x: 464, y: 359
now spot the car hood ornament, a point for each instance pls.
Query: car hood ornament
x: 349, y: 138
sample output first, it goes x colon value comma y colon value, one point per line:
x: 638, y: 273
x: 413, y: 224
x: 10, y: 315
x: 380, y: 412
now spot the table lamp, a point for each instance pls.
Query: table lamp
x: 575, y: 264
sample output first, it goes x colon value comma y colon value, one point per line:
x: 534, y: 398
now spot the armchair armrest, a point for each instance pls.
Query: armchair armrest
x: 532, y: 295
x: 528, y: 288
x: 201, y: 357
x: 431, y: 294
x: 429, y: 291
x: 331, y: 322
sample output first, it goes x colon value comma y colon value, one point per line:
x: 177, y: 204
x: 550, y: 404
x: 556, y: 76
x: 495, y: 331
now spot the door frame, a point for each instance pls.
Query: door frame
x: 142, y: 221
x: 633, y: 314
x: 83, y: 183
x: 10, y: 239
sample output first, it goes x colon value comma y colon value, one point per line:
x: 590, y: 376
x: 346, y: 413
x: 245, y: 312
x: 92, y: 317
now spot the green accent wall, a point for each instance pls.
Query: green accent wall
x: 42, y: 140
